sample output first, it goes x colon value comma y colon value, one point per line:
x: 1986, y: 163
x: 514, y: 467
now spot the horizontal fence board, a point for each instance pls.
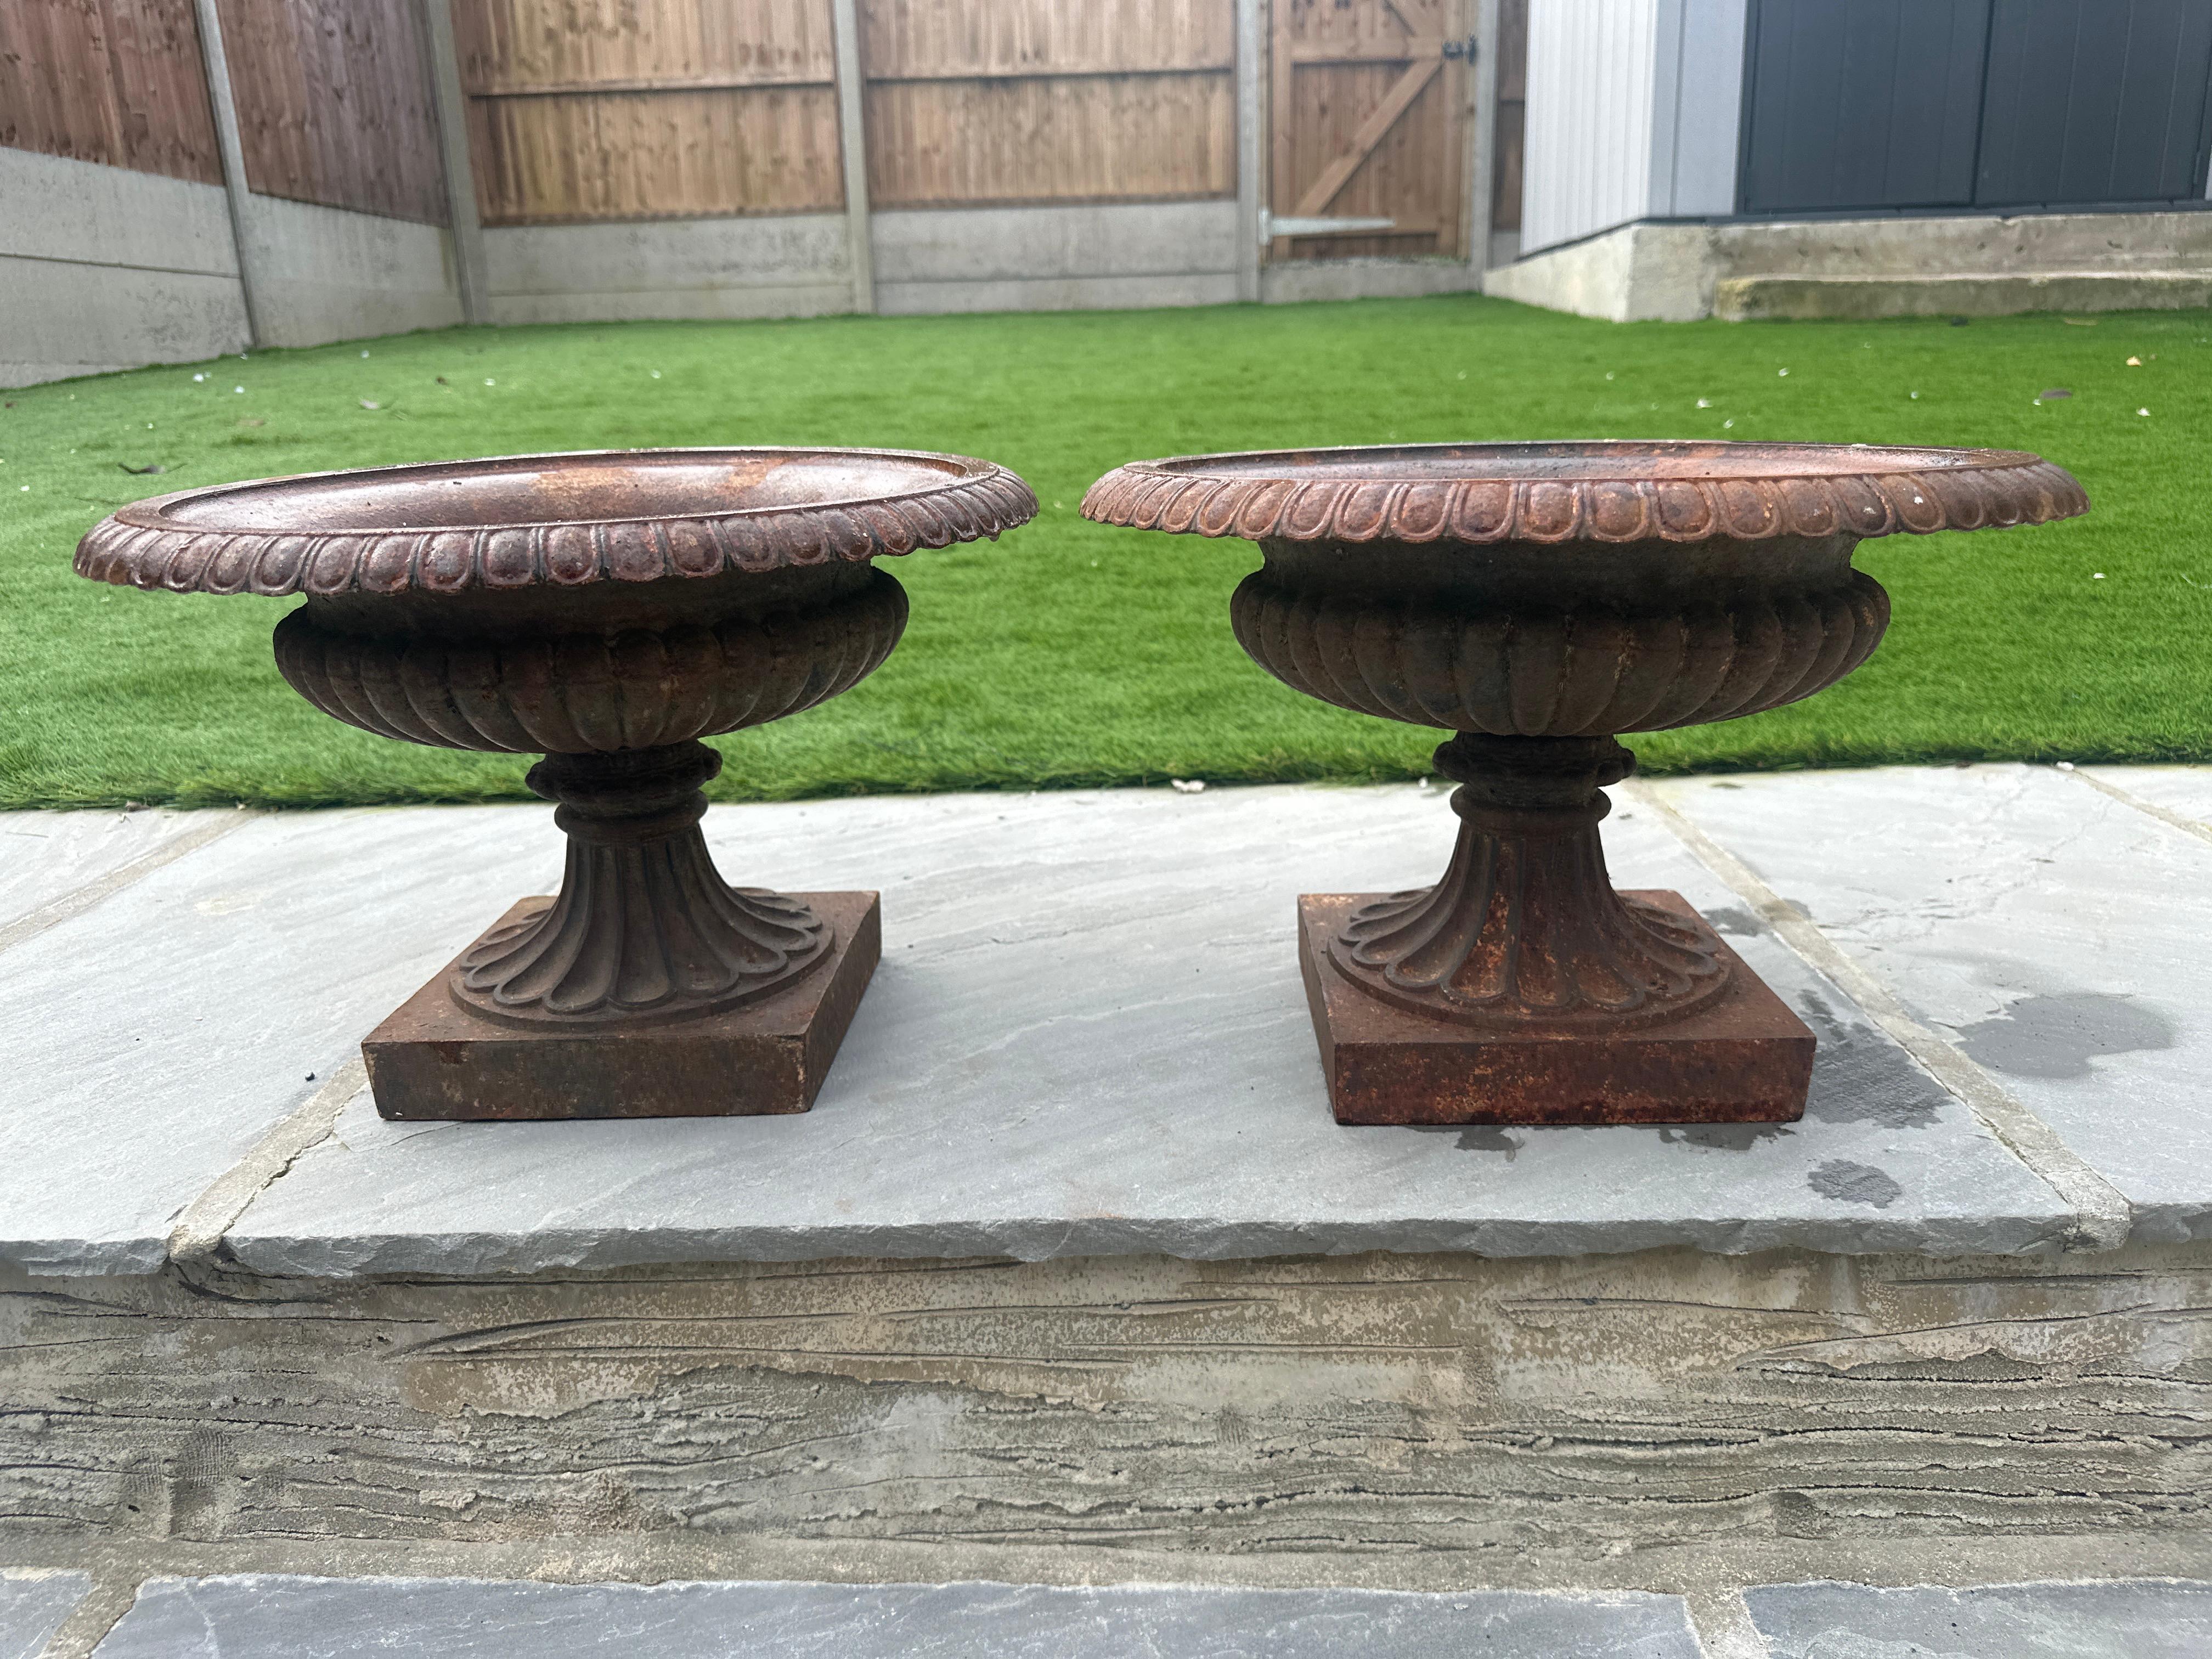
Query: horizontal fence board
x: 699, y: 83
x: 937, y: 38
x: 561, y: 159
x: 584, y: 111
x: 509, y: 45
x: 333, y: 102
x: 1085, y: 138
x: 116, y: 81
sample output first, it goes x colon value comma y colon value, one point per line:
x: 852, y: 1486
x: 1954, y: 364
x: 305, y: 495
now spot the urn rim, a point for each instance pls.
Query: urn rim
x: 1605, y: 490
x: 562, y: 520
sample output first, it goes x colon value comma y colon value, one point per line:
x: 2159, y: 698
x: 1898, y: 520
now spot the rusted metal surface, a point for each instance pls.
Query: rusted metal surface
x: 435, y: 1058
x: 1537, y: 599
x: 1739, y: 1055
x: 607, y: 612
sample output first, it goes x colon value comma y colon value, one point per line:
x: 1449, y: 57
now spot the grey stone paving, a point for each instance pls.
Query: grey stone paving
x: 1089, y: 1036
x: 32, y: 1608
x: 269, y: 1617
x: 46, y: 855
x: 153, y: 1039
x: 2143, y: 1619
x: 2056, y: 934
x: 2186, y: 790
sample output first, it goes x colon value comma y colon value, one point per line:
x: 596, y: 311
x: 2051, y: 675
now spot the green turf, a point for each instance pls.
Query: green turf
x: 1070, y: 653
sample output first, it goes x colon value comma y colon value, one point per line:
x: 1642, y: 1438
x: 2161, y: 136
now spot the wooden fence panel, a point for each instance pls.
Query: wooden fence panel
x: 977, y: 102
x: 117, y: 81
x: 333, y: 99
x: 662, y: 155
x: 593, y: 110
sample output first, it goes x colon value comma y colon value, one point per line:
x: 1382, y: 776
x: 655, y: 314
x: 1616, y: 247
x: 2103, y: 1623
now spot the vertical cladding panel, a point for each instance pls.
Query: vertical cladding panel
x: 2095, y: 102
x: 333, y: 101
x: 117, y: 81
x: 1863, y: 103
x: 1708, y: 104
x: 592, y: 111
x: 971, y: 104
x: 1591, y: 77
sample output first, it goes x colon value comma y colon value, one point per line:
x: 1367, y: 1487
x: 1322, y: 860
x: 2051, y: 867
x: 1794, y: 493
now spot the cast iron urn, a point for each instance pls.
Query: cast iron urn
x: 606, y: 611
x: 1536, y: 600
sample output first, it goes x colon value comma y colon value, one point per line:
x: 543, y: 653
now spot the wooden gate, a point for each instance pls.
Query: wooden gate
x: 1368, y: 103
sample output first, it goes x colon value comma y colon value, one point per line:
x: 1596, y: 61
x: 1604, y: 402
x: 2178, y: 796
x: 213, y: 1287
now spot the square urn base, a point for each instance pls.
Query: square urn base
x: 435, y: 1059
x: 1742, y: 1058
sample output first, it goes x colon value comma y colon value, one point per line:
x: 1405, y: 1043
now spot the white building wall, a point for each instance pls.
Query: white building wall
x: 1587, y: 162
x: 1697, y: 108
x: 1633, y: 111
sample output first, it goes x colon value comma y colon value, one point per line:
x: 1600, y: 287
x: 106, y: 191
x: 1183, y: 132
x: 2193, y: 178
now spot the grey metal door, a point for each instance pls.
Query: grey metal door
x: 1870, y: 103
x: 2096, y: 101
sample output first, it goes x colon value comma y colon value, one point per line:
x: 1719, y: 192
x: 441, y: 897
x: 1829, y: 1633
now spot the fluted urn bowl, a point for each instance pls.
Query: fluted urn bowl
x: 1538, y: 600
x: 606, y: 610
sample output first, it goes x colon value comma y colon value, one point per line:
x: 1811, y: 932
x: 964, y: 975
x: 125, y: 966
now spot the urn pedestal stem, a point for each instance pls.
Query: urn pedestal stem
x: 643, y: 925
x: 1525, y: 929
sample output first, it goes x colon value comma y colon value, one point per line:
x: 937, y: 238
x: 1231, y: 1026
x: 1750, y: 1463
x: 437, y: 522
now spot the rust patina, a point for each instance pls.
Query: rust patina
x: 1539, y: 599
x: 607, y: 612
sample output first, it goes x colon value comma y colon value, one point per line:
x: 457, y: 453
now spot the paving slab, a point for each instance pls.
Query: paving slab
x: 1089, y: 1036
x: 32, y: 1608
x: 2185, y: 791
x: 271, y: 1617
x: 2057, y: 934
x: 44, y: 856
x: 153, y: 1039
x: 2138, y: 1619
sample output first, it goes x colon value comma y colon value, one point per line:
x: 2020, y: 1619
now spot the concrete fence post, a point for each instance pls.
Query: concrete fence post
x: 853, y: 141
x: 1482, y: 135
x: 452, y: 105
x: 232, y: 149
x: 1251, y: 140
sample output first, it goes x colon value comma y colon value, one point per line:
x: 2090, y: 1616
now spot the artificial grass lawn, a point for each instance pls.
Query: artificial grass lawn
x: 1071, y: 653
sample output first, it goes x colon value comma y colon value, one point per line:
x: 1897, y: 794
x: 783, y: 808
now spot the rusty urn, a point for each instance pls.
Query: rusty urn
x: 1537, y: 600
x: 606, y: 611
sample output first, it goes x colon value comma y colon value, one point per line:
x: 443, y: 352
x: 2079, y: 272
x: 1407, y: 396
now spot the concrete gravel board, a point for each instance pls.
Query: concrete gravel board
x: 272, y: 1617
x: 2138, y: 1619
x: 153, y: 1039
x: 44, y: 856
x: 32, y: 1608
x: 1089, y: 1036
x: 2054, y: 934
